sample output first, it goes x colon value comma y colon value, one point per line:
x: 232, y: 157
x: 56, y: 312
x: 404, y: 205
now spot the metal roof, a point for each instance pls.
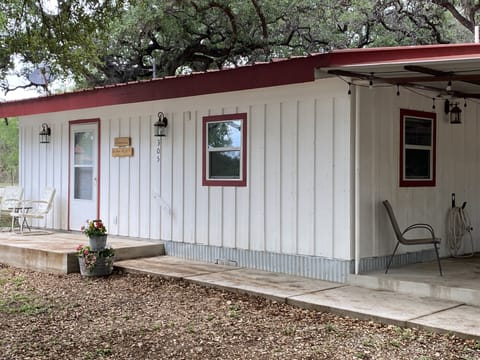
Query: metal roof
x: 428, y: 67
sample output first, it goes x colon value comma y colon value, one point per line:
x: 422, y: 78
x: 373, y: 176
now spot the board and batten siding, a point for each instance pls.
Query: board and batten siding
x: 457, y: 171
x: 298, y: 195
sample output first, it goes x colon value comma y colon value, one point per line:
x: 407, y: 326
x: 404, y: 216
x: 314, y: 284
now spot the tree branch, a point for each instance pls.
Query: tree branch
x: 263, y: 22
x: 456, y: 14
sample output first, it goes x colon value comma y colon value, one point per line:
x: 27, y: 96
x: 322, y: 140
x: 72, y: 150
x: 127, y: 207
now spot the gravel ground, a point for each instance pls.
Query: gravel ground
x: 126, y: 316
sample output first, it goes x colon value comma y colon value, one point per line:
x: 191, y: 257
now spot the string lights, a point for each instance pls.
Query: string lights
x: 412, y: 90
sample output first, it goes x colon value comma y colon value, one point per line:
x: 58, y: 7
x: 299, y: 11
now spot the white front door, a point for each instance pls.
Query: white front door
x: 83, y: 173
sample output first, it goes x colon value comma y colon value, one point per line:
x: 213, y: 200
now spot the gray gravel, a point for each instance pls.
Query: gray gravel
x: 126, y: 316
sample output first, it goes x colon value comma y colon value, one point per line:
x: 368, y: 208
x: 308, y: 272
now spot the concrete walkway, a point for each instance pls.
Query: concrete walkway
x: 354, y: 301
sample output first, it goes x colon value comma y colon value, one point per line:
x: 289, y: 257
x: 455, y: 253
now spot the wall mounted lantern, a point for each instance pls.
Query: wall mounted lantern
x: 45, y: 134
x: 454, y: 111
x: 160, y: 126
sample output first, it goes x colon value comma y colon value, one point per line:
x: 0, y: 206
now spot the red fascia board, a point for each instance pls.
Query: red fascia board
x: 248, y: 77
x: 404, y: 54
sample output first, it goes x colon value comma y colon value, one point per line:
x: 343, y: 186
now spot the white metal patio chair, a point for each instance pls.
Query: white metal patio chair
x: 33, y: 209
x: 11, y: 197
x: 401, y: 239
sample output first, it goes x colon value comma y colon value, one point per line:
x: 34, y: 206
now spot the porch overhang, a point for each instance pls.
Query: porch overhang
x: 446, y: 76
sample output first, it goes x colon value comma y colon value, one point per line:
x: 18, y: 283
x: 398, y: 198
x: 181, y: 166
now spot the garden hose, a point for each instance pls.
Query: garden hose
x: 458, y: 224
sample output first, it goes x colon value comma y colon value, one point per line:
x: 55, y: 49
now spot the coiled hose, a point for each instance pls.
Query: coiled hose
x: 458, y: 224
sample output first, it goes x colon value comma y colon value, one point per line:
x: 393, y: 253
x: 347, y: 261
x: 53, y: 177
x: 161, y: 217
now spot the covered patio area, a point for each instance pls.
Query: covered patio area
x: 460, y: 281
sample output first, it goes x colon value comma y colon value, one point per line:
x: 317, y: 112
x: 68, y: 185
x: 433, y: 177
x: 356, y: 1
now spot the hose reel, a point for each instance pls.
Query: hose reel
x: 458, y: 225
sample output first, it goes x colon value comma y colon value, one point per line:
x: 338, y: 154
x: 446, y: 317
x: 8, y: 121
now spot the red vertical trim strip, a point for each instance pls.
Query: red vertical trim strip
x: 204, y: 151
x: 99, y: 156
x: 69, y: 172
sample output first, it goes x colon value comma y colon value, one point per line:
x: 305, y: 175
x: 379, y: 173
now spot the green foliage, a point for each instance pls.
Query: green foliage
x: 234, y: 310
x: 102, y: 42
x: 181, y: 36
x: 66, y: 37
x: 19, y: 299
x: 9, y: 150
x: 330, y: 327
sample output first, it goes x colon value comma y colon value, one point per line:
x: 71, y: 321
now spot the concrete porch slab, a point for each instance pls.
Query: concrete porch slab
x: 383, y: 306
x: 55, y: 252
x: 274, y: 286
x: 460, y: 281
x: 463, y: 321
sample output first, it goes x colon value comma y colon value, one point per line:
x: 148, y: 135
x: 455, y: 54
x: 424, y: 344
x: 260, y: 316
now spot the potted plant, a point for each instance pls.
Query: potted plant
x: 95, y: 263
x: 97, y: 234
x: 95, y: 259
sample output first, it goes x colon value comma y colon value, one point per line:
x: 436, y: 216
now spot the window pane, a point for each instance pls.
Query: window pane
x: 224, y: 164
x: 225, y: 134
x: 417, y: 164
x: 83, y: 183
x: 83, y: 148
x: 418, y: 131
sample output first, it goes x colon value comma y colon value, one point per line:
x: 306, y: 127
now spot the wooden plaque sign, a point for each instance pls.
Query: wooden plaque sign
x: 122, y: 152
x: 122, y: 141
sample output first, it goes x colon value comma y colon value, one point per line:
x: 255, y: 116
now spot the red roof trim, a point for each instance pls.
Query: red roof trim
x: 405, y: 54
x: 275, y: 73
x: 242, y: 78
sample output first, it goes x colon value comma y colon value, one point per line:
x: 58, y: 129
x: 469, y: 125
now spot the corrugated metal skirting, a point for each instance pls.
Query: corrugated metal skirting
x: 299, y: 265
x: 380, y: 262
x: 316, y: 267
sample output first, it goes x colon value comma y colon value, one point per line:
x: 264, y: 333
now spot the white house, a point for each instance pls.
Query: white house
x: 278, y: 166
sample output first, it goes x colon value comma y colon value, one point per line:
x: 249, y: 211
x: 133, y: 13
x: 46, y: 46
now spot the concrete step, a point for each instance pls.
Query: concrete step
x: 55, y: 252
x: 445, y: 291
x: 460, y: 281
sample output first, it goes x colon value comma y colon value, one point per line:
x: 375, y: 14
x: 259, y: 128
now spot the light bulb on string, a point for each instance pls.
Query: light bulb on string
x: 449, y: 85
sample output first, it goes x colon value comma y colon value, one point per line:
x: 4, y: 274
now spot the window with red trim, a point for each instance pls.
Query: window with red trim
x: 417, y: 148
x: 224, y: 150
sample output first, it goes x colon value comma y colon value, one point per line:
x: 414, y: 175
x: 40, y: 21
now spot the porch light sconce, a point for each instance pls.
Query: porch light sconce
x: 454, y: 111
x: 160, y: 126
x: 45, y: 134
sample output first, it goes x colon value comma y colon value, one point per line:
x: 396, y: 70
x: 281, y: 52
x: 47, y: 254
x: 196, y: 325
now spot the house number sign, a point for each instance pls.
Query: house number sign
x: 123, y: 148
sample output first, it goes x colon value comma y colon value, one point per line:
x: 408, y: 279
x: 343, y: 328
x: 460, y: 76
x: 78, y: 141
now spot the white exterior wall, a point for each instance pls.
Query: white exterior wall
x: 298, y: 195
x: 457, y: 170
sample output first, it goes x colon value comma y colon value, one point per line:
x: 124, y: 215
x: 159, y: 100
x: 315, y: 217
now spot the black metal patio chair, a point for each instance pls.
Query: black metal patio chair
x: 415, y: 241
